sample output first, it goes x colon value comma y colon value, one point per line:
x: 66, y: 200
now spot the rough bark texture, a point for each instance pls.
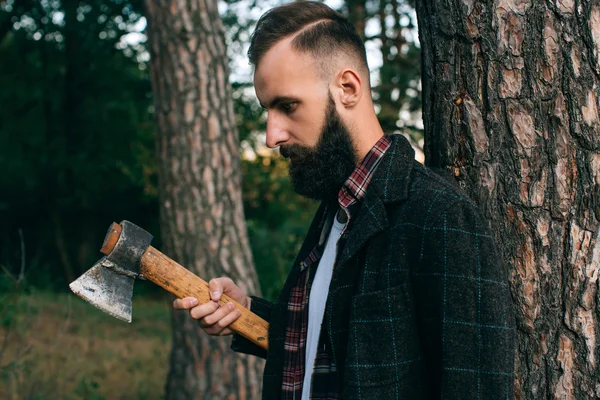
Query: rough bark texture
x: 511, y: 91
x: 202, y: 219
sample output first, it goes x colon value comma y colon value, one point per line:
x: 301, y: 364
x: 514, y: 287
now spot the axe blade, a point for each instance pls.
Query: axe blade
x: 106, y: 290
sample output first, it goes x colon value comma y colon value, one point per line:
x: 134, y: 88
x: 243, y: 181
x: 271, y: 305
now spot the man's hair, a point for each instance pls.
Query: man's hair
x: 321, y: 32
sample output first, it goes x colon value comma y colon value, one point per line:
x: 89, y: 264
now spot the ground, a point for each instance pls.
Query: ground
x: 56, y: 346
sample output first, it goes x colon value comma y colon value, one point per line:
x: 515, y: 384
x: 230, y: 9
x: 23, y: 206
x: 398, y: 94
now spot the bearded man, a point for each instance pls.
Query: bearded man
x: 398, y: 291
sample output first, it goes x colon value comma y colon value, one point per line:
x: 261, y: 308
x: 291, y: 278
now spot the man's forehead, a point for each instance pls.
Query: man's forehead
x: 283, y: 50
x: 281, y: 67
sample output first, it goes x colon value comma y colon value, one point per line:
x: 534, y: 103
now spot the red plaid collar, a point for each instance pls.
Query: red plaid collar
x: 355, y: 187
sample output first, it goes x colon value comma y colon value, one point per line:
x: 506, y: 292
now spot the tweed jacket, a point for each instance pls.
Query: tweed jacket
x: 419, y: 305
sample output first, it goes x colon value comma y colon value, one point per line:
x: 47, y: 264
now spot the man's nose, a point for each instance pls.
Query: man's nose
x: 276, y: 132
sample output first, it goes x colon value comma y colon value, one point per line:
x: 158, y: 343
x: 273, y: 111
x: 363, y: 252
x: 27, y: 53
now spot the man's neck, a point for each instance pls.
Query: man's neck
x: 367, y: 131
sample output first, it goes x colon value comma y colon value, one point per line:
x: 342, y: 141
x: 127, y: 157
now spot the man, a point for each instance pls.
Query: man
x: 398, y: 292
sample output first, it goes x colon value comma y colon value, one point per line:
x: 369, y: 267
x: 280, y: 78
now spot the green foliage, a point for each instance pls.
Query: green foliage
x: 397, y: 88
x: 76, y: 134
x: 277, y: 220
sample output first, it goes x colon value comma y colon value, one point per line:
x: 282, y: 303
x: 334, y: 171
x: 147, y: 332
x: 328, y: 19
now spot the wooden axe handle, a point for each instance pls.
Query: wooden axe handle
x: 174, y: 278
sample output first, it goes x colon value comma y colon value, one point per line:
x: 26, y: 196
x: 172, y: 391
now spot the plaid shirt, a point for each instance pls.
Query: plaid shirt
x: 324, y: 379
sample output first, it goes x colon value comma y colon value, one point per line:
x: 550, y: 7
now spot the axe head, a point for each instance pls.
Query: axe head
x: 106, y: 289
x: 108, y: 285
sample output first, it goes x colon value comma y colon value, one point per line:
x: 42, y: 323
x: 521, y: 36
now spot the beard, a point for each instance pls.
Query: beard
x: 320, y: 172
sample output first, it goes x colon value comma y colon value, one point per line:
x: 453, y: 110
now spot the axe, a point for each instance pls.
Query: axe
x: 108, y: 285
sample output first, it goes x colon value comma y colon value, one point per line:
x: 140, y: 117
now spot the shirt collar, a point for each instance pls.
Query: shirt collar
x: 355, y: 187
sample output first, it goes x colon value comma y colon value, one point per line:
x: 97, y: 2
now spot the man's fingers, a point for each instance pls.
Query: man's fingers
x: 229, y: 319
x: 221, y: 326
x: 185, y: 304
x: 203, y: 310
x: 217, y: 316
x: 211, y: 317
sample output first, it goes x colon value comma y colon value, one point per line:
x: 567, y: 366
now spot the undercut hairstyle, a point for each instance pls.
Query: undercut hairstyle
x: 320, y: 31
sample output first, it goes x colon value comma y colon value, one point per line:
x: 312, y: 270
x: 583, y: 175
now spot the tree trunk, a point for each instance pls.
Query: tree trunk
x: 357, y: 15
x: 389, y: 112
x: 202, y: 219
x: 510, y: 93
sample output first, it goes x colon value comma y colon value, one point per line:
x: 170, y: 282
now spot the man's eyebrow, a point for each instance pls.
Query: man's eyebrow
x: 280, y: 99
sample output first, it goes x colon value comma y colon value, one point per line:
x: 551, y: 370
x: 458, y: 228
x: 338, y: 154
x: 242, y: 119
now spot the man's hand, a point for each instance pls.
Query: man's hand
x: 213, y: 318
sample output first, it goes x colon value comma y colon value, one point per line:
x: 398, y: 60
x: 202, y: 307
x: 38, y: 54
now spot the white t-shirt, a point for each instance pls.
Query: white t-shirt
x: 317, y: 300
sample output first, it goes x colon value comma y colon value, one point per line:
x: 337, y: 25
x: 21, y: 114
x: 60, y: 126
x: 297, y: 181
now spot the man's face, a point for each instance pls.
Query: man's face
x: 303, y: 122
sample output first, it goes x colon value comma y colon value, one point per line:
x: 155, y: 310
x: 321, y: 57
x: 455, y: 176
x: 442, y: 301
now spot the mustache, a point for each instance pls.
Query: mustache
x: 295, y: 151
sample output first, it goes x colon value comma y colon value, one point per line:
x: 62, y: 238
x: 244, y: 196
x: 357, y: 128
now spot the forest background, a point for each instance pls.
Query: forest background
x: 94, y: 130
x: 77, y: 131
x: 77, y: 151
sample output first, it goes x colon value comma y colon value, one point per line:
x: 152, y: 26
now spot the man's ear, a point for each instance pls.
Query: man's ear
x: 350, y: 88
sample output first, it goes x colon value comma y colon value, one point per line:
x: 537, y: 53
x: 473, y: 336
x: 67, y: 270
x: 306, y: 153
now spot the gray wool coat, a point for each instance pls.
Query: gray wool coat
x: 419, y: 304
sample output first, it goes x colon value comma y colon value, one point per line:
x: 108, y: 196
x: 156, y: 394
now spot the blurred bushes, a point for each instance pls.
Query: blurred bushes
x: 277, y: 220
x: 76, y: 134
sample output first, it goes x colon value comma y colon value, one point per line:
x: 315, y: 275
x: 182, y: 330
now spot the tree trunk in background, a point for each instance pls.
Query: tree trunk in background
x: 389, y: 111
x: 202, y: 219
x: 357, y: 15
x: 510, y: 93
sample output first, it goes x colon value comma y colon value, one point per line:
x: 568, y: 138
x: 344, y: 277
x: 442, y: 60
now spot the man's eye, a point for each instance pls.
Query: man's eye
x: 288, y: 107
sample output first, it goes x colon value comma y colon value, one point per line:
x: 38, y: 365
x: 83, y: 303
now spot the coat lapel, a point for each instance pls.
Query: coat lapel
x: 370, y: 220
x: 389, y: 184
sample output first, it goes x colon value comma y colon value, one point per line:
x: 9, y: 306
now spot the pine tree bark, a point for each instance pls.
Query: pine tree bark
x: 202, y: 219
x: 510, y: 93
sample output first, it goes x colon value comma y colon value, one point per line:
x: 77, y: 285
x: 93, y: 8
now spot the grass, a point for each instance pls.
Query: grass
x: 56, y: 346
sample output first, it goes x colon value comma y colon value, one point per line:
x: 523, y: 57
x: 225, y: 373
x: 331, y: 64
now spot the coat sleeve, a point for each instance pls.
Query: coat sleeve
x: 464, y: 308
x: 240, y: 344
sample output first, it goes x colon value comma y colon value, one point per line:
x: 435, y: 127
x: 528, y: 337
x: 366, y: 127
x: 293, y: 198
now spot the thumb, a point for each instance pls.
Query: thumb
x: 217, y: 286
